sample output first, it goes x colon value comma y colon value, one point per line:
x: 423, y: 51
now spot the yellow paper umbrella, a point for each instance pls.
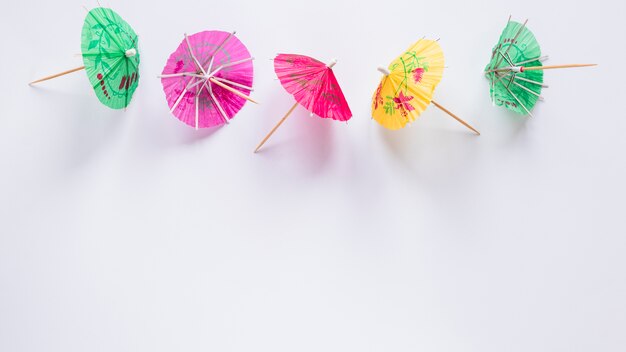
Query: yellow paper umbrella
x: 408, y: 85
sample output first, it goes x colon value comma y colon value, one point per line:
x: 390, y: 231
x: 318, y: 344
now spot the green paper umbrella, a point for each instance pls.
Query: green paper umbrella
x: 515, y: 71
x: 111, y: 58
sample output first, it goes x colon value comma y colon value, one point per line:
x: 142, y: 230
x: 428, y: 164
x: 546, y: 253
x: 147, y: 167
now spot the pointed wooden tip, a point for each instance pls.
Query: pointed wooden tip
x: 471, y: 128
x: 57, y: 75
x: 258, y: 147
x: 455, y: 117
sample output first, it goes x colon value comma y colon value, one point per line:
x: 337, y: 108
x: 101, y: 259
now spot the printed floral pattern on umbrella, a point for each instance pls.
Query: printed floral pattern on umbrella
x: 208, y: 79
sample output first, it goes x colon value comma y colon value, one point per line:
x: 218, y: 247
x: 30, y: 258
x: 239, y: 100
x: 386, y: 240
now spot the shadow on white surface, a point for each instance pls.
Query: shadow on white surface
x: 429, y: 151
x: 88, y: 125
x: 513, y: 126
x: 192, y: 136
x: 158, y: 130
x: 303, y: 143
x: 134, y: 232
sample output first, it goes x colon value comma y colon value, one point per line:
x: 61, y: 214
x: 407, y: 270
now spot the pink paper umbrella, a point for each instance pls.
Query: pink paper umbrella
x: 314, y: 86
x: 208, y: 79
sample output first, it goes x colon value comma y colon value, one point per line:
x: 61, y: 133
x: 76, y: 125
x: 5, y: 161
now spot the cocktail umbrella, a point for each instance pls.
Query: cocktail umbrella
x: 408, y: 85
x: 314, y: 86
x: 515, y: 71
x: 208, y: 78
x: 110, y: 57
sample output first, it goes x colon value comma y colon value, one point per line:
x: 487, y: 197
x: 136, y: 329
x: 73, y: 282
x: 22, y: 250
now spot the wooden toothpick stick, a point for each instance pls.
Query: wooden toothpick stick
x: 536, y: 68
x: 275, y: 127
x: 57, y: 75
x: 234, y: 91
x: 455, y: 117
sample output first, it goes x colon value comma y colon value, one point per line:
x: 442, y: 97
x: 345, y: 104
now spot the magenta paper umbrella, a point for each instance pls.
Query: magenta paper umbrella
x: 208, y: 79
x: 314, y: 86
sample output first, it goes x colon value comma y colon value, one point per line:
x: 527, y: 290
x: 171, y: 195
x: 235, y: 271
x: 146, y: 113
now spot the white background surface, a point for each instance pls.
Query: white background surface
x: 129, y: 231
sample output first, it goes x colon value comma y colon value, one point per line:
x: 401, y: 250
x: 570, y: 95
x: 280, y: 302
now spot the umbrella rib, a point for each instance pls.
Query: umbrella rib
x: 508, y: 61
x: 193, y: 56
x: 514, y: 39
x: 507, y: 58
x: 180, y: 97
x: 529, y: 81
x: 511, y: 79
x: 224, y: 80
x: 219, y: 47
x: 498, y: 69
x: 199, y: 81
x: 182, y: 94
x: 516, y: 98
x: 528, y: 90
x: 541, y: 58
x: 214, y: 99
x: 229, y: 65
x: 520, y: 103
x: 180, y: 74
x: 197, y: 104
x: 494, y: 54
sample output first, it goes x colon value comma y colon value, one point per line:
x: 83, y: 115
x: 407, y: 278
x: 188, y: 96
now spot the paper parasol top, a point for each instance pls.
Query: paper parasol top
x: 111, y: 57
x: 518, y: 90
x: 313, y: 84
x: 206, y: 79
x: 408, y: 85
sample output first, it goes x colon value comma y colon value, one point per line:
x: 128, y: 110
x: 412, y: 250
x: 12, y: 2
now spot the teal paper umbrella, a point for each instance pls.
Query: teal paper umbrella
x: 110, y: 57
x: 515, y: 71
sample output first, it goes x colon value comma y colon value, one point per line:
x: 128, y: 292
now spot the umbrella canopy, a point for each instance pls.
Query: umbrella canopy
x: 408, y: 85
x: 110, y: 57
x: 314, y: 86
x: 208, y: 79
x: 515, y: 71
x: 517, y: 90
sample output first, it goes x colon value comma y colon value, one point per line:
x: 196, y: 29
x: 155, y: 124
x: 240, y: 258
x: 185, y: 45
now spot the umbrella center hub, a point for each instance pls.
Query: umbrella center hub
x: 205, y: 75
x: 131, y: 52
